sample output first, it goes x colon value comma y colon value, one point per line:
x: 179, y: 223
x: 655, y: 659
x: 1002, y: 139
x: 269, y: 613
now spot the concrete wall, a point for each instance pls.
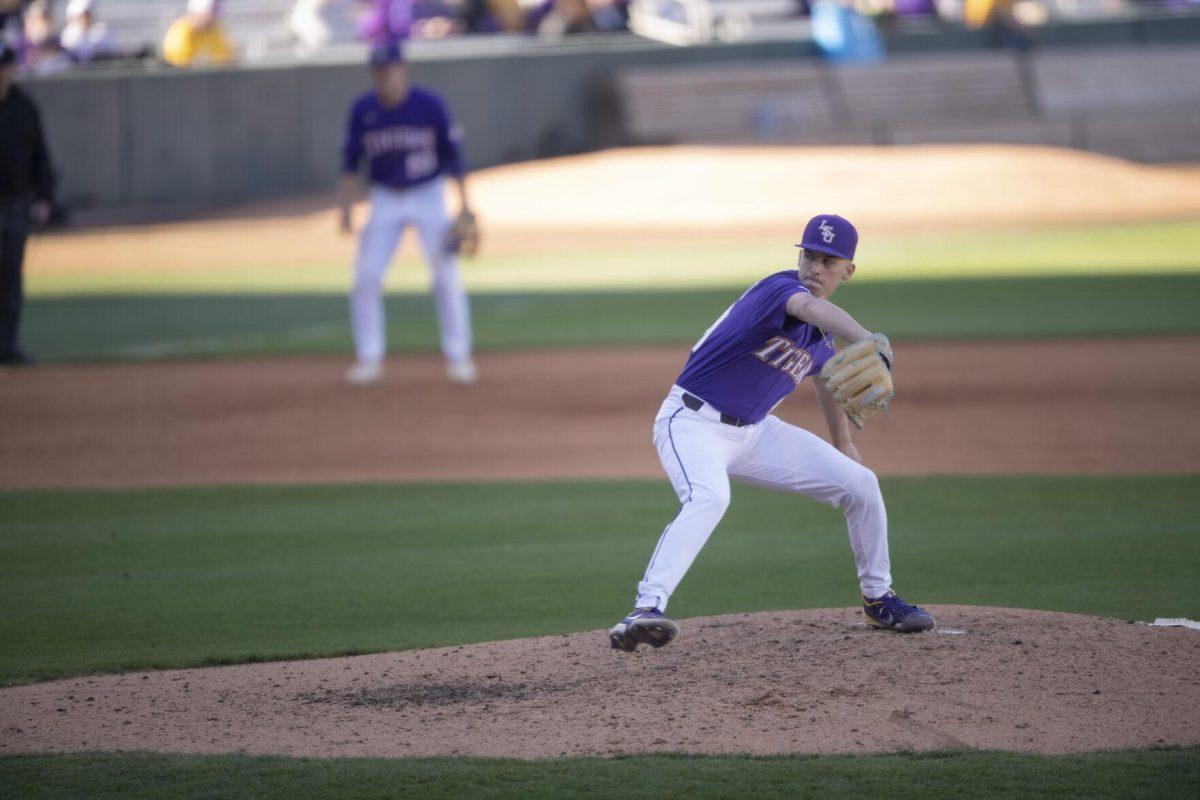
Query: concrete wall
x: 194, y: 137
x: 143, y: 138
x: 1130, y: 101
x: 159, y: 137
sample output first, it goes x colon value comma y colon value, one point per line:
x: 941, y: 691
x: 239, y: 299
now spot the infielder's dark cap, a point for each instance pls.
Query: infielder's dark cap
x: 390, y: 53
x: 7, y: 54
x: 829, y: 233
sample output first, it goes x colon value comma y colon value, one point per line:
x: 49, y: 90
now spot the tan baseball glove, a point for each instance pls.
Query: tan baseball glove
x: 463, y: 236
x: 860, y: 378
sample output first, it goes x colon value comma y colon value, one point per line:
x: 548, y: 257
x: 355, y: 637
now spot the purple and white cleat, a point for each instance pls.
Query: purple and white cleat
x: 643, y: 626
x: 891, y: 613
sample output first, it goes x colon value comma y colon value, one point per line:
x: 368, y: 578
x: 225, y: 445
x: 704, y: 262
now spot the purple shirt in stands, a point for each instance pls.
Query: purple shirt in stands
x: 755, y: 354
x: 405, y: 145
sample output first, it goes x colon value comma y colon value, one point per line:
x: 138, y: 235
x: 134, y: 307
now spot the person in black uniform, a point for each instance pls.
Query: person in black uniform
x: 26, y: 191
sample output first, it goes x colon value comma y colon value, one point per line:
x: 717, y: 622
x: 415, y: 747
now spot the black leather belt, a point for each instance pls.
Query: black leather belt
x: 695, y: 404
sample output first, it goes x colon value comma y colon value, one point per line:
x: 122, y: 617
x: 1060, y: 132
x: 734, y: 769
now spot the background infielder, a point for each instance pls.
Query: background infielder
x: 410, y: 144
x: 715, y: 424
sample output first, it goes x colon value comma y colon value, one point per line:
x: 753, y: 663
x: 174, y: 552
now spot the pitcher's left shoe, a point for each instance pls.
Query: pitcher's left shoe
x: 643, y: 626
x: 891, y: 613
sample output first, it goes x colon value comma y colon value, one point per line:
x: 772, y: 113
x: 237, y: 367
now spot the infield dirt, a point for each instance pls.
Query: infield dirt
x: 1001, y: 407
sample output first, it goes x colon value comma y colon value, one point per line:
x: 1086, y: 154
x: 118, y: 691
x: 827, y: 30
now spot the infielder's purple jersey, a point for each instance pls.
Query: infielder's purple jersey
x: 755, y: 354
x: 406, y: 145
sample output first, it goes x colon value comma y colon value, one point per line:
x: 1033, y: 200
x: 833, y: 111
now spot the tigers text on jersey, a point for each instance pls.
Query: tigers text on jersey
x: 404, y: 145
x: 755, y: 354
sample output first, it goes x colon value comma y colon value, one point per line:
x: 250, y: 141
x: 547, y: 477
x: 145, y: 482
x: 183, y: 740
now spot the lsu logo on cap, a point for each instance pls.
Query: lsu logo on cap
x: 821, y: 232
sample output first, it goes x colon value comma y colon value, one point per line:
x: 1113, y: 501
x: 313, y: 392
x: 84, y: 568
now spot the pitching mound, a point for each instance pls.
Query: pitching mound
x: 815, y: 681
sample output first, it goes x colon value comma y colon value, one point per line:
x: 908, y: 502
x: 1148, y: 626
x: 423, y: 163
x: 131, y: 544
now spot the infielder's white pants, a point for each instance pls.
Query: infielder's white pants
x: 424, y: 207
x: 700, y: 454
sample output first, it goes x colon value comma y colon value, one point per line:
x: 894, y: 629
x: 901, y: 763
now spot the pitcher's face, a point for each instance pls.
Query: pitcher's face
x: 821, y: 273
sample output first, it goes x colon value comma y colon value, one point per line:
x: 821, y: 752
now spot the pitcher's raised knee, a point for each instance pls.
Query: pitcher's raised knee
x: 713, y: 498
x: 862, y: 487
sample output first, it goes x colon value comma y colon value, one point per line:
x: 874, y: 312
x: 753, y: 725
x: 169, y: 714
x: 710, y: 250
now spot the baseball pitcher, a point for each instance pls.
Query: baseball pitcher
x: 410, y: 144
x: 715, y: 424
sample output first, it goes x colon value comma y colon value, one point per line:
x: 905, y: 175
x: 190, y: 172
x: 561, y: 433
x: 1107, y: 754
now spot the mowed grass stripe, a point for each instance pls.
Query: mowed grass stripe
x: 148, y: 327
x: 122, y: 580
x: 1128, y: 775
x: 609, y: 261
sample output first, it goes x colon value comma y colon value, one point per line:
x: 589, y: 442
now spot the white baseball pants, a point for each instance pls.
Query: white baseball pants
x: 700, y: 454
x: 424, y: 207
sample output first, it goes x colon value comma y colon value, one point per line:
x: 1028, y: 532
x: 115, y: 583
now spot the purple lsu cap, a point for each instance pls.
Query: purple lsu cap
x: 389, y: 53
x: 829, y: 233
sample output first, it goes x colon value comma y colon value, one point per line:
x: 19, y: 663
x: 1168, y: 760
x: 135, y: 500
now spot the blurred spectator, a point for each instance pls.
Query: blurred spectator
x: 26, y: 194
x: 491, y: 16
x: 914, y: 8
x: 10, y: 24
x: 977, y: 13
x: 609, y: 15
x: 997, y: 16
x: 843, y: 34
x: 388, y: 21
x: 320, y: 23
x: 42, y: 52
x: 391, y: 21
x: 949, y: 10
x: 435, y: 19
x: 10, y: 19
x: 85, y: 38
x: 197, y: 37
x: 553, y: 19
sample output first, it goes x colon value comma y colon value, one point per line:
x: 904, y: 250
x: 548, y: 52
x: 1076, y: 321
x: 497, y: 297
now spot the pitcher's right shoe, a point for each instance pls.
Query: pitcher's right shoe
x: 643, y: 626
x: 364, y: 372
x: 891, y: 613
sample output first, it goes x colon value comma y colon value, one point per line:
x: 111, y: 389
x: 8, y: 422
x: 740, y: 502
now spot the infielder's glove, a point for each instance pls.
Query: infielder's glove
x: 860, y: 378
x: 463, y: 236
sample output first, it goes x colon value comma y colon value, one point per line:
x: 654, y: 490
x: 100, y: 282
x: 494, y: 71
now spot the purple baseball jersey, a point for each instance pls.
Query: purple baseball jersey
x: 405, y: 145
x: 755, y: 354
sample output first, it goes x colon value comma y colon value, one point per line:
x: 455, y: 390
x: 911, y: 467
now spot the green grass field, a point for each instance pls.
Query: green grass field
x: 682, y: 264
x: 1162, y: 774
x: 100, y: 581
x: 144, y: 327
x: 111, y: 581
x: 1055, y: 281
x: 124, y: 580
